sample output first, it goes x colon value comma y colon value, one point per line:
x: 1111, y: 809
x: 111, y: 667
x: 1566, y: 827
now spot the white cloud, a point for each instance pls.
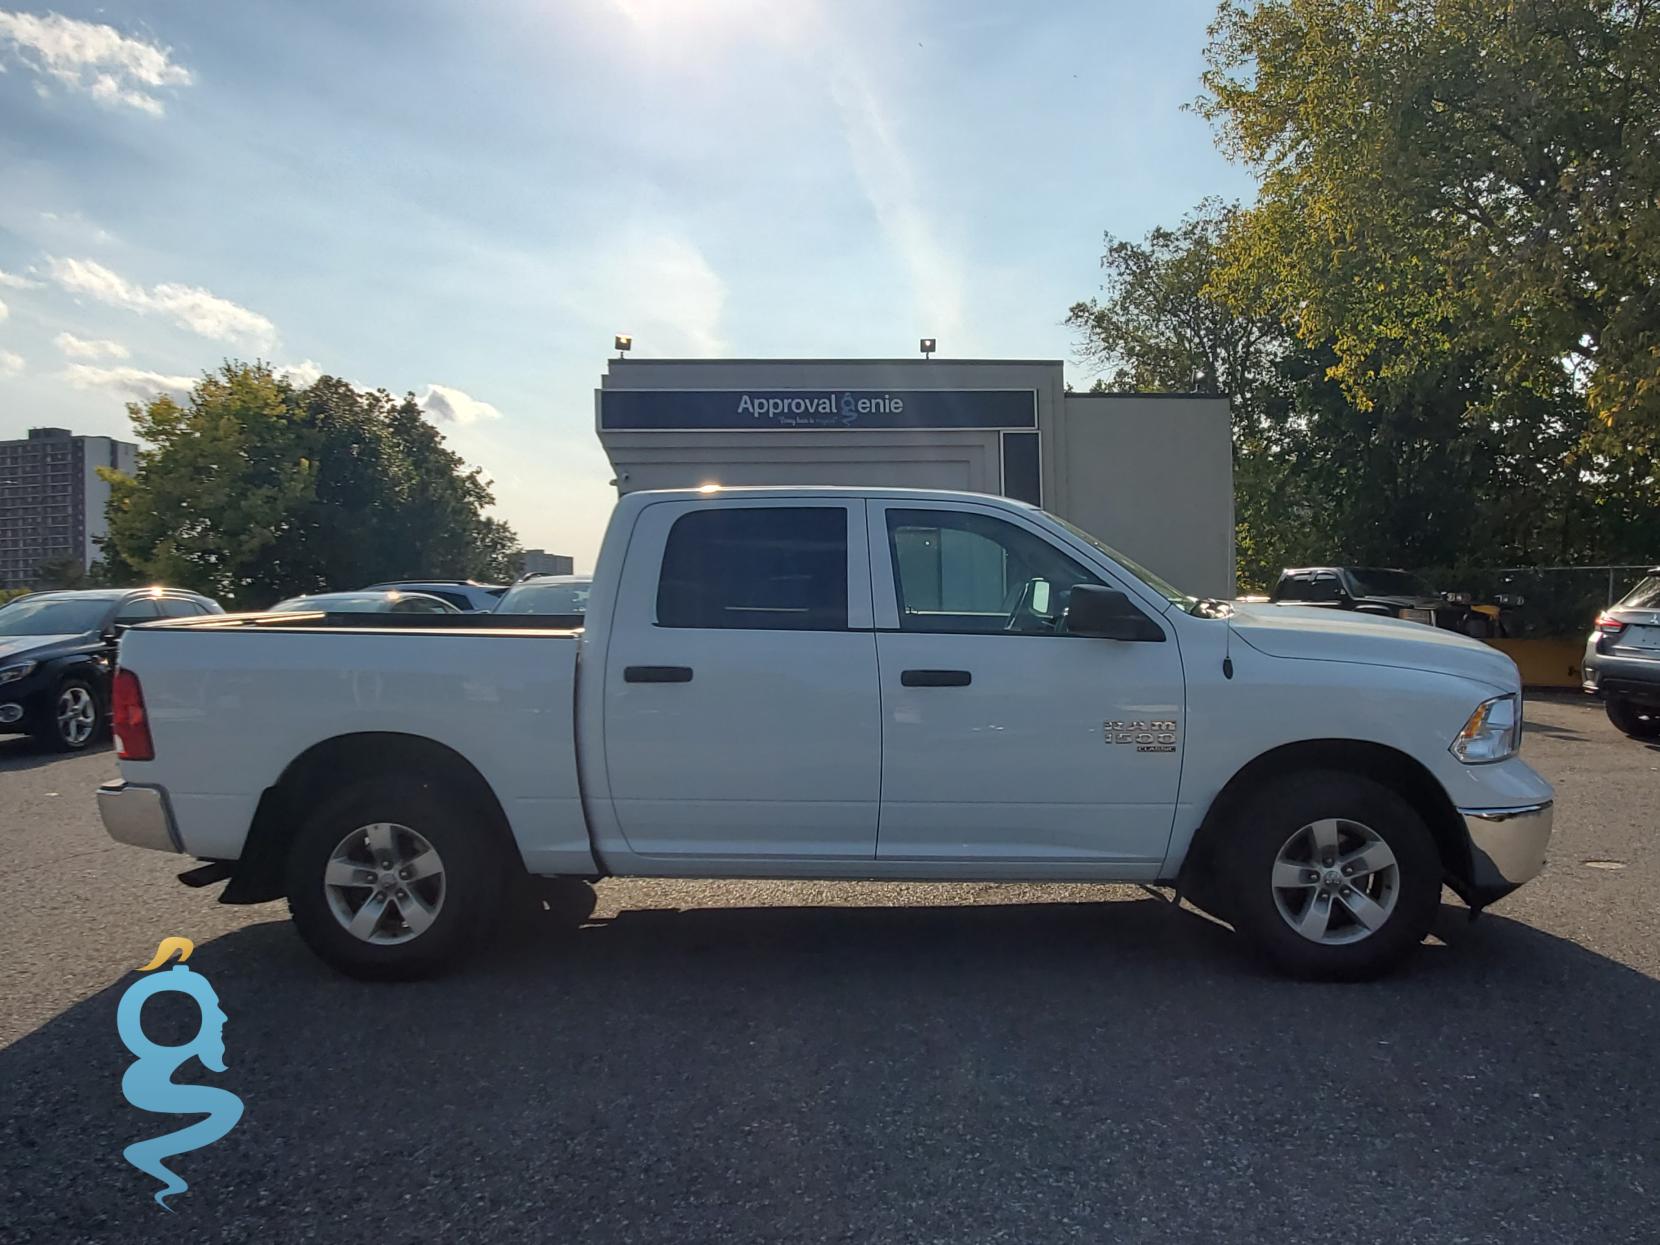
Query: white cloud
x: 453, y: 406
x: 130, y: 381
x: 301, y: 374
x: 884, y: 171
x: 100, y: 61
x: 4, y: 310
x: 655, y: 284
x: 11, y: 364
x: 190, y: 306
x: 16, y: 282
x: 84, y: 348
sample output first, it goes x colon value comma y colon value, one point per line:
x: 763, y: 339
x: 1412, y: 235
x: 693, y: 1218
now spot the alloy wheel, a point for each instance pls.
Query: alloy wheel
x: 77, y: 716
x: 384, y: 883
x: 1336, y: 881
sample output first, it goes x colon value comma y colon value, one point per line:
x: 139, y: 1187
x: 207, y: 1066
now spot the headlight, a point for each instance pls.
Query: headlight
x: 1492, y: 733
x: 11, y: 674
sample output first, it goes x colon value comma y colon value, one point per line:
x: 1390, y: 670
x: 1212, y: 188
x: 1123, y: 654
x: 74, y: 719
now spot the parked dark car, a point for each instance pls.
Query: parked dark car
x: 57, y: 655
x: 1622, y: 659
x: 1384, y: 591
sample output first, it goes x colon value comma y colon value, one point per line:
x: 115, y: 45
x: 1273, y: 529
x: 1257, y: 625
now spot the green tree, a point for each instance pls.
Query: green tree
x: 1454, y: 179
x: 255, y: 490
x: 61, y: 572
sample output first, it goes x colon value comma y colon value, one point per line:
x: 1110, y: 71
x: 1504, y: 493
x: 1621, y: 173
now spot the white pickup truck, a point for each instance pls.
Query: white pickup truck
x: 834, y: 683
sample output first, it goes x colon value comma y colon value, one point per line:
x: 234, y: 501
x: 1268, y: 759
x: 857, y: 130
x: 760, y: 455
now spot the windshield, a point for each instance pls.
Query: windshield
x: 1178, y: 598
x: 1645, y: 596
x: 53, y: 617
x: 338, y: 603
x: 544, y: 598
x: 1379, y: 582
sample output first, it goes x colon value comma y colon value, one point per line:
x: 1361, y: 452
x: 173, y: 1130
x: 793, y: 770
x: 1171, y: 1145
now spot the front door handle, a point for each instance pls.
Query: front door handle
x: 657, y: 674
x: 935, y: 678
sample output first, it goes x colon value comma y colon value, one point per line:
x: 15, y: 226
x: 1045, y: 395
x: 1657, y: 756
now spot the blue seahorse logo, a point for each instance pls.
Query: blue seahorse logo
x: 149, y: 1085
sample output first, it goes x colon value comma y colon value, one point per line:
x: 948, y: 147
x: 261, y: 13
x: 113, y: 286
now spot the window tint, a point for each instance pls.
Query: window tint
x: 1645, y: 596
x: 141, y: 610
x: 1294, y: 588
x: 420, y: 605
x: 960, y: 571
x: 177, y: 607
x: 763, y: 568
x: 1324, y: 588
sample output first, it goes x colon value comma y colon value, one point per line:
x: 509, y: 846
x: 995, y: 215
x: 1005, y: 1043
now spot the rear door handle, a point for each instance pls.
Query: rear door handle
x: 657, y: 674
x: 935, y: 678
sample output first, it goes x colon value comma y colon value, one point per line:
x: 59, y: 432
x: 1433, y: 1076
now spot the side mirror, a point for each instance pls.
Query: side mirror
x: 1106, y: 613
x: 1382, y: 611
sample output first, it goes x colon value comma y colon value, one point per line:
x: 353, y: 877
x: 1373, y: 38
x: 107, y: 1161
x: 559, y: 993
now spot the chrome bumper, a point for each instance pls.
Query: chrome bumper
x: 1507, y: 845
x: 138, y: 816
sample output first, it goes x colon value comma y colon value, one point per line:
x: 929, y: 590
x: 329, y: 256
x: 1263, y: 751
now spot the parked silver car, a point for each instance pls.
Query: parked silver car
x: 1622, y: 659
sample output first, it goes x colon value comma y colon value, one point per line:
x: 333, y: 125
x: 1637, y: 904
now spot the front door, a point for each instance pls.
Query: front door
x: 1003, y: 737
x: 741, y: 708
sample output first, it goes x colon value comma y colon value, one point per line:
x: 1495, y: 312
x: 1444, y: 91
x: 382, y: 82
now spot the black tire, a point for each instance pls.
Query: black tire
x: 1639, y: 723
x: 1263, y: 825
x: 476, y: 872
x: 48, y: 731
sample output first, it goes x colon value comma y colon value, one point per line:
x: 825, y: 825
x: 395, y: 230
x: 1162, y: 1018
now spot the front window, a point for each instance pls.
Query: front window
x: 1645, y: 596
x: 1379, y: 582
x: 49, y: 617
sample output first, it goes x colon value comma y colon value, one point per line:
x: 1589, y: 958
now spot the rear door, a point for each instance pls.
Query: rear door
x: 741, y: 705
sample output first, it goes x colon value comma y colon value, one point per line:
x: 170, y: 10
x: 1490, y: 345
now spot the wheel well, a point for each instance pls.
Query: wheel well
x: 327, y: 766
x: 1387, y: 766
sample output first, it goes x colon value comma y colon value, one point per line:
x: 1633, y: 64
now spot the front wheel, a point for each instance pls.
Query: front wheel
x: 72, y: 717
x: 1627, y: 717
x: 394, y: 878
x: 1333, y: 876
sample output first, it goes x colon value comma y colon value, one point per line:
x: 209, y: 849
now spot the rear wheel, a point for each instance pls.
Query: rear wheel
x: 1332, y: 875
x: 1639, y: 723
x: 395, y: 878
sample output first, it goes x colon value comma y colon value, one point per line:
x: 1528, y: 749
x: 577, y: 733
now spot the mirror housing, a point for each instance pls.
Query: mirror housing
x: 1108, y: 614
x: 1382, y: 611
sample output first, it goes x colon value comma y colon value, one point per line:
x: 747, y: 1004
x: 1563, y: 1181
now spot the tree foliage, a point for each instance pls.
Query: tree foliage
x: 1447, y: 179
x: 255, y: 490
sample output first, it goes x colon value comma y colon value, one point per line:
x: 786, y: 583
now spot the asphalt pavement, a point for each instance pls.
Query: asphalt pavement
x: 854, y: 1062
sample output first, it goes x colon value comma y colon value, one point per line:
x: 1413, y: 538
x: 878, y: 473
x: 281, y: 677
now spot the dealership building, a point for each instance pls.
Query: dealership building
x: 1150, y: 474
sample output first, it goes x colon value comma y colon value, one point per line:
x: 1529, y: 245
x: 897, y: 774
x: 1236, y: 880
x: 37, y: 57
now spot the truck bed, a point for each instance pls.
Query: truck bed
x: 496, y: 690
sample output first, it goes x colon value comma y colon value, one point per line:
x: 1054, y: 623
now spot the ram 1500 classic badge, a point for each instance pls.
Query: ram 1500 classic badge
x: 1153, y: 735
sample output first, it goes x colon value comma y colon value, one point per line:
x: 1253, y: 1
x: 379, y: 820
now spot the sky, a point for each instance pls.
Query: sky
x: 467, y: 200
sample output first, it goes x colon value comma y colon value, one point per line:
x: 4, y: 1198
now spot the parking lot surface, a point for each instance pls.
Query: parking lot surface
x: 855, y: 1062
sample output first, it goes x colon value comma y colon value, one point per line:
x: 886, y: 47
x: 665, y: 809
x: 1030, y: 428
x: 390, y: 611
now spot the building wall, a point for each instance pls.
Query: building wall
x: 51, y: 499
x: 1153, y: 476
x: 541, y: 562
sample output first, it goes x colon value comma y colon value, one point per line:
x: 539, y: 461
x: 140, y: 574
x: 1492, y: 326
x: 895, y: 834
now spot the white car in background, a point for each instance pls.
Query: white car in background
x: 539, y: 593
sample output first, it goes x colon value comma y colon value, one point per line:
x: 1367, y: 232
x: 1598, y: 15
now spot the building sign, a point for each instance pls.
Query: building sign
x: 725, y: 410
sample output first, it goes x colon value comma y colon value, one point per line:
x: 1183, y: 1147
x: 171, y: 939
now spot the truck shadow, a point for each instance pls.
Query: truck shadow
x: 871, y: 1074
x: 19, y: 752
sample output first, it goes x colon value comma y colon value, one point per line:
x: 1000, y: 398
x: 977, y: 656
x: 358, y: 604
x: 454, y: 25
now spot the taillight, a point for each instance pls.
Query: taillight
x: 1609, y: 625
x: 132, y: 725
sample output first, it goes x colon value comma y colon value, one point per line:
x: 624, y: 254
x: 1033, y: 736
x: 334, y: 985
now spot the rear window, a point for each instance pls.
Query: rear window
x: 763, y: 568
x: 1645, y: 596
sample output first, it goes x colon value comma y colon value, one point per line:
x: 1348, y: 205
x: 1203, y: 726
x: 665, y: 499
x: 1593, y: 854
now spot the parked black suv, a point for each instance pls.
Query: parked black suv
x: 57, y: 654
x: 1384, y: 591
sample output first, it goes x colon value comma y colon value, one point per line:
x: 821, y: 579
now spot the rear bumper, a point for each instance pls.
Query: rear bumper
x: 1507, y: 847
x: 1609, y: 675
x: 138, y: 816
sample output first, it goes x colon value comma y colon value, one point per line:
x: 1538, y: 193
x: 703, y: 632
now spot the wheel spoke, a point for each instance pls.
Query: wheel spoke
x: 368, y: 916
x: 345, y: 873
x: 1324, y: 834
x: 1365, y: 910
x: 381, y: 844
x: 425, y: 865
x: 1372, y: 858
x: 1315, y: 917
x: 1288, y: 873
x: 415, y: 912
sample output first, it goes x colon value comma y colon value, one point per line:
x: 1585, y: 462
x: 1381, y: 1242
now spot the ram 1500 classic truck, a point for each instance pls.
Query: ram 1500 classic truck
x: 834, y: 683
